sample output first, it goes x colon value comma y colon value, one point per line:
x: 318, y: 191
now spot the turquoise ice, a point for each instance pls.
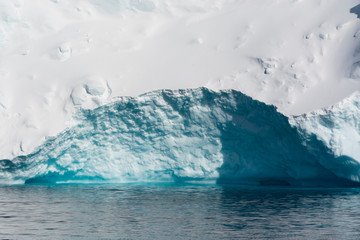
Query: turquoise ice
x: 183, y: 135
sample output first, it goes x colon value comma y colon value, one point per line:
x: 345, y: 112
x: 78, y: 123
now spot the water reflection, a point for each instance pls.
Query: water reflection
x: 177, y: 211
x: 283, y: 213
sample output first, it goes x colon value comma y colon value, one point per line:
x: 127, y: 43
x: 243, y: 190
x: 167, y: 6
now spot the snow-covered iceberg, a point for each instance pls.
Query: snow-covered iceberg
x: 338, y: 128
x: 194, y: 134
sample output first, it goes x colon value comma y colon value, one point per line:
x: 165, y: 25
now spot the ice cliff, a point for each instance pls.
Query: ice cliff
x: 338, y: 128
x: 194, y: 134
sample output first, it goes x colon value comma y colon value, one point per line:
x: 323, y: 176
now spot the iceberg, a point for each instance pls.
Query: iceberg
x: 338, y: 128
x: 188, y: 135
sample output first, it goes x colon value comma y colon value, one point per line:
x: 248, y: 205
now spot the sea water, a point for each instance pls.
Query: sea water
x: 177, y: 211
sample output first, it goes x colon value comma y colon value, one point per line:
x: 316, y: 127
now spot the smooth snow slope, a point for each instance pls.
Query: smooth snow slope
x: 183, y: 135
x: 57, y: 56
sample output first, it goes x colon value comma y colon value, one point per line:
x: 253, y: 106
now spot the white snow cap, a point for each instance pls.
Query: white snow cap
x: 57, y: 56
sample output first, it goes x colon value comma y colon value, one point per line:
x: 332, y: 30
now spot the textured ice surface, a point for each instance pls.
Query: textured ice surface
x: 355, y: 71
x: 356, y: 10
x: 338, y: 127
x: 181, y: 135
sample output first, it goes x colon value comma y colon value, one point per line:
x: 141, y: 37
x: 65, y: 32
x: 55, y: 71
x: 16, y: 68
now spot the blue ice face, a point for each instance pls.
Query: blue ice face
x: 183, y: 135
x: 356, y: 10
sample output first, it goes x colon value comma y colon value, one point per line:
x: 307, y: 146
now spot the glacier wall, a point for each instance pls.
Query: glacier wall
x: 338, y: 128
x: 183, y: 135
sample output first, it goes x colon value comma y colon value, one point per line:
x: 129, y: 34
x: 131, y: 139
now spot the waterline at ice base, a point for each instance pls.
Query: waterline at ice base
x: 198, y: 135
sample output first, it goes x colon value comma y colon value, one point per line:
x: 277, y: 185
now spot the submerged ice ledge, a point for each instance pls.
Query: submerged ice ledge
x: 194, y: 134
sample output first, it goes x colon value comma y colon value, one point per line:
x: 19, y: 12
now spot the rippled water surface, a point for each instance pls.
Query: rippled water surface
x: 177, y: 211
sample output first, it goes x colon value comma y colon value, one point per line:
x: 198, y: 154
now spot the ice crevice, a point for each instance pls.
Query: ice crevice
x: 187, y: 135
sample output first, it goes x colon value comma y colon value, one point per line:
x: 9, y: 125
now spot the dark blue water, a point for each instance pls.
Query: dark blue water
x: 177, y: 211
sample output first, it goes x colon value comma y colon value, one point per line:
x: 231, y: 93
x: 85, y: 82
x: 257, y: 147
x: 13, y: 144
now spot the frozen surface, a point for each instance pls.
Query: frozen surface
x: 338, y: 127
x: 356, y: 10
x: 59, y: 56
x: 184, y: 135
